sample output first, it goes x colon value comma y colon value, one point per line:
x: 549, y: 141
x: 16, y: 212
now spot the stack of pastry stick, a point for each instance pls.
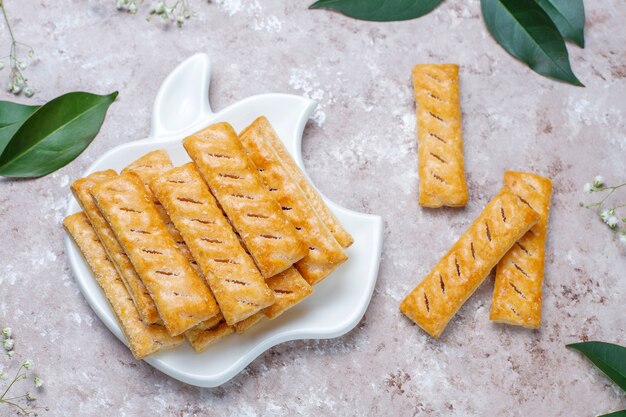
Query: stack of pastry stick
x: 209, y: 248
x: 509, y: 234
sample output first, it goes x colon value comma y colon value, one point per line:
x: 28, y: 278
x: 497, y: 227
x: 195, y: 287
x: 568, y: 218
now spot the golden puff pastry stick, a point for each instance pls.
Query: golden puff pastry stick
x: 272, y: 140
x: 519, y: 275
x: 466, y: 265
x: 237, y: 285
x: 244, y: 325
x: 82, y: 192
x: 180, y: 295
x: 440, y: 143
x: 143, y: 339
x: 207, y: 333
x: 270, y: 238
x: 324, y: 252
x: 289, y: 289
x: 148, y: 167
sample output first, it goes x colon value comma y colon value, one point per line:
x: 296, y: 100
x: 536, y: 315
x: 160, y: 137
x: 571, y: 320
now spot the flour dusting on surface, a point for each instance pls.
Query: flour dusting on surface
x: 305, y: 81
x: 254, y: 10
x: 9, y: 275
x: 231, y: 7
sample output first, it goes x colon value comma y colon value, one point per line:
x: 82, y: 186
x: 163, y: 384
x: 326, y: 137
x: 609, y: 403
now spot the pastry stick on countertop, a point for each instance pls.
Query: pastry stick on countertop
x: 458, y: 274
x: 440, y: 143
x: 519, y: 275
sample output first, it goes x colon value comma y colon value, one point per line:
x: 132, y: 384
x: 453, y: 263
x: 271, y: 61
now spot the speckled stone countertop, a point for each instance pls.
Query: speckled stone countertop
x: 360, y: 150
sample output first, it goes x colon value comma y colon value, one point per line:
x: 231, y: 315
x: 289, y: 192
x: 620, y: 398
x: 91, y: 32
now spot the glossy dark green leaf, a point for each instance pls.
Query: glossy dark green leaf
x: 12, y: 115
x: 615, y: 414
x: 379, y: 10
x: 569, y: 18
x: 54, y: 135
x: 527, y: 33
x: 610, y: 358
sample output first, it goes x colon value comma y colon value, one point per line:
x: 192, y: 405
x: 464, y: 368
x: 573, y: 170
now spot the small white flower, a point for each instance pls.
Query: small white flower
x: 7, y: 332
x: 588, y: 188
x: 158, y: 8
x: 28, y: 364
x: 132, y: 8
x: 622, y: 237
x: 598, y: 181
x: 23, y: 65
x: 29, y: 92
x: 8, y: 344
x: 604, y: 215
x: 30, y: 396
x: 611, y: 222
x: 11, y: 354
x: 16, y: 89
x: 38, y: 382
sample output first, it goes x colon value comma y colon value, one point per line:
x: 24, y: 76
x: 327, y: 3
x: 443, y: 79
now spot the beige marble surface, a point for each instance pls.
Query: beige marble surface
x: 361, y: 151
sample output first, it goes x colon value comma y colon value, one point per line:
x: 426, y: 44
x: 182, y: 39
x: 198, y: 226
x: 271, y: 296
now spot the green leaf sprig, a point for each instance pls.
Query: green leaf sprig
x: 379, y: 10
x: 533, y: 31
x: 35, y: 141
x: 610, y: 359
x: 526, y: 31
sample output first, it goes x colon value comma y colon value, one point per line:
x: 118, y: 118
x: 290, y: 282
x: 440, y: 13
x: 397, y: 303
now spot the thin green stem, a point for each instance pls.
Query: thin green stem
x: 15, y: 398
x: 17, y: 378
x: 22, y: 409
x: 6, y: 19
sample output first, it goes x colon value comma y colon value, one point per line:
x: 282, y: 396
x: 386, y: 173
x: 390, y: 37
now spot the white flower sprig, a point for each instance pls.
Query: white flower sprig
x: 127, y: 5
x: 18, y: 83
x: 23, y: 404
x: 608, y: 214
x: 177, y: 12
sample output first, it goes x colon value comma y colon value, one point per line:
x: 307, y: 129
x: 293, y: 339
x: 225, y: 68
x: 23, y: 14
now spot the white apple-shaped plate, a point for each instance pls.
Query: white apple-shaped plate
x: 337, y: 304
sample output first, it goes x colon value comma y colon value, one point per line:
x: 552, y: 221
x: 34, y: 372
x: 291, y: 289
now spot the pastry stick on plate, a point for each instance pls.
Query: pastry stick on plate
x: 208, y: 332
x: 271, y: 239
x: 324, y: 252
x: 237, y: 285
x: 82, y: 191
x: 244, y: 325
x: 519, y: 275
x: 289, y: 288
x: 180, y: 295
x: 454, y: 279
x: 143, y: 339
x: 341, y: 235
x: 440, y: 143
x: 149, y: 167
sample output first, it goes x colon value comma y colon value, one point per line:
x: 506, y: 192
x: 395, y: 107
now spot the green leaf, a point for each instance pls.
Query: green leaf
x: 569, y: 18
x: 610, y: 358
x: 54, y: 135
x: 379, y: 10
x: 12, y: 115
x: 615, y: 414
x: 527, y: 33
